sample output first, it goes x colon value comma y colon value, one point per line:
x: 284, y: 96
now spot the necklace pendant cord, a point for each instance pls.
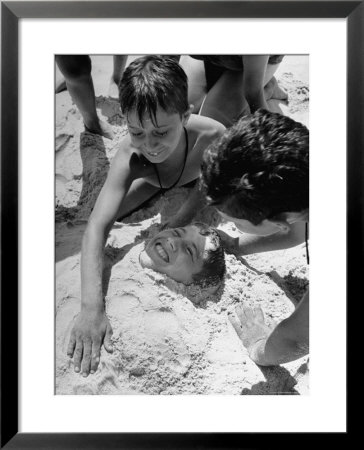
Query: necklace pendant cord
x: 183, y: 168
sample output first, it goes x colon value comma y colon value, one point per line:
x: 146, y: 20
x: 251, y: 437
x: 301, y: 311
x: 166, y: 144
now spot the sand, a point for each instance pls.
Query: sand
x: 168, y: 338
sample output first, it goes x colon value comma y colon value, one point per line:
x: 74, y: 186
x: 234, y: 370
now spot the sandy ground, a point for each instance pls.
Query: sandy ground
x: 168, y: 339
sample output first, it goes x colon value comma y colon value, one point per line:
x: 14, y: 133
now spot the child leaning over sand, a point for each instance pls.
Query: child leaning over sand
x: 257, y: 176
x: 237, y: 85
x: 163, y: 149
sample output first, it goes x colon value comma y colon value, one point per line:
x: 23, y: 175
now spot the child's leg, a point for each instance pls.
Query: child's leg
x: 60, y: 82
x: 140, y: 191
x: 271, y: 88
x: 195, y: 72
x: 119, y: 62
x: 60, y: 85
x: 77, y: 72
x: 225, y: 101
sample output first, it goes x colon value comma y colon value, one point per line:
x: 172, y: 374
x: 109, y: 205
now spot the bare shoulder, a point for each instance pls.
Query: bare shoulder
x: 204, y: 130
x: 205, y: 126
x: 124, y: 152
x: 128, y: 160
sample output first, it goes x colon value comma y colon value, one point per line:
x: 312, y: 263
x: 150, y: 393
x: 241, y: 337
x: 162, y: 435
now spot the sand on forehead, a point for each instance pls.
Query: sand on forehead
x: 168, y: 339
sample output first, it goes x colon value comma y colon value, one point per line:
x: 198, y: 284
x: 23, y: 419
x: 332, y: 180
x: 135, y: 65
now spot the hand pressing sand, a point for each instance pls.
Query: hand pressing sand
x: 88, y: 328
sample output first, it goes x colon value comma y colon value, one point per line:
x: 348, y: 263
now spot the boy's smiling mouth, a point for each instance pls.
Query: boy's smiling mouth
x: 161, y: 252
x: 155, y: 154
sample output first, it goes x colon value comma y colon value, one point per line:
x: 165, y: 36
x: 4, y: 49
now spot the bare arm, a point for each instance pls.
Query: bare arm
x: 288, y: 341
x: 92, y: 327
x: 195, y: 202
x: 253, y: 82
x: 248, y: 244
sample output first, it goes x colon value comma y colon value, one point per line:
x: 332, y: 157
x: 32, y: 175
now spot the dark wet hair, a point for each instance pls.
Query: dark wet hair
x: 259, y: 168
x: 213, y: 269
x: 152, y: 81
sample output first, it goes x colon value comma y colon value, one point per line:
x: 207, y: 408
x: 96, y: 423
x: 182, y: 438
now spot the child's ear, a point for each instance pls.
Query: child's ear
x: 187, y: 114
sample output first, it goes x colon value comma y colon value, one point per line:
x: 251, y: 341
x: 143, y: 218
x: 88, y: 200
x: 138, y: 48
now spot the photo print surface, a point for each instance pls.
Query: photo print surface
x: 182, y: 232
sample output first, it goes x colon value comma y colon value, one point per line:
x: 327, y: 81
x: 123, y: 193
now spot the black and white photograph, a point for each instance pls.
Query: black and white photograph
x: 181, y: 224
x: 160, y: 164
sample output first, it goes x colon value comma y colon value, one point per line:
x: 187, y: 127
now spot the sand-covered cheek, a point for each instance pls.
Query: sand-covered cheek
x: 208, y: 246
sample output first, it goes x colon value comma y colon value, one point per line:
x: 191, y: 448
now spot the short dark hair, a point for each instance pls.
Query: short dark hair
x: 150, y: 81
x: 214, y: 267
x: 259, y: 168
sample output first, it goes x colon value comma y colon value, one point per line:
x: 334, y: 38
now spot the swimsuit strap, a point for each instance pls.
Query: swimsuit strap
x: 306, y: 240
x: 183, y: 168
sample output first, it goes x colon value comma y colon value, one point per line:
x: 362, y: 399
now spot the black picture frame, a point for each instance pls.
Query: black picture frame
x: 11, y: 12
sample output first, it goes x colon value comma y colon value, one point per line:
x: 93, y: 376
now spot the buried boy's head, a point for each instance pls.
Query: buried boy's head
x: 153, y: 98
x: 192, y: 254
x: 257, y: 173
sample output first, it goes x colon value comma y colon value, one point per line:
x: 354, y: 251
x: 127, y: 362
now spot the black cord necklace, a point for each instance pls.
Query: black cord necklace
x: 183, y: 168
x: 306, y: 239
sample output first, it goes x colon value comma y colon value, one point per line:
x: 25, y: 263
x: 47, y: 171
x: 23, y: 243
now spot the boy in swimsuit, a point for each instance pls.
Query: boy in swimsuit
x: 163, y: 149
x: 257, y: 176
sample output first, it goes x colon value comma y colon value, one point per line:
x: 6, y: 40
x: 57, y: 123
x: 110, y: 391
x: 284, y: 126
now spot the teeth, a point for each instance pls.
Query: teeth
x: 154, y: 153
x: 161, y: 252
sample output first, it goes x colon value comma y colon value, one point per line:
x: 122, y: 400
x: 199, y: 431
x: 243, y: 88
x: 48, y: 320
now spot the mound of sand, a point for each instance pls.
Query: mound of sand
x: 168, y: 339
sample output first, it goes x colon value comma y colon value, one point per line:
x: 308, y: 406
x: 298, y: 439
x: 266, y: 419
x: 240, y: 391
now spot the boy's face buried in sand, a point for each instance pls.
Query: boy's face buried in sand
x: 158, y: 139
x: 177, y: 253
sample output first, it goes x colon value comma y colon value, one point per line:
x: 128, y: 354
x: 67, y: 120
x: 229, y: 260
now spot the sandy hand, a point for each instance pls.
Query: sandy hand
x: 250, y: 325
x: 89, y: 332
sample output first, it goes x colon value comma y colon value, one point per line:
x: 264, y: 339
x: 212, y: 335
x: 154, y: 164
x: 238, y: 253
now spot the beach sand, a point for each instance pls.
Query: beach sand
x: 168, y: 338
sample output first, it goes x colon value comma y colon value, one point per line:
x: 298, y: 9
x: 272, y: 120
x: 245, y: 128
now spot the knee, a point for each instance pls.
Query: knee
x: 74, y: 67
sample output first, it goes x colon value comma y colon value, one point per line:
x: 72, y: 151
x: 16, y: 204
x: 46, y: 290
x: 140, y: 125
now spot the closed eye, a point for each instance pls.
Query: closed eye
x: 136, y: 134
x: 161, y: 134
x: 179, y: 232
x: 190, y: 252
